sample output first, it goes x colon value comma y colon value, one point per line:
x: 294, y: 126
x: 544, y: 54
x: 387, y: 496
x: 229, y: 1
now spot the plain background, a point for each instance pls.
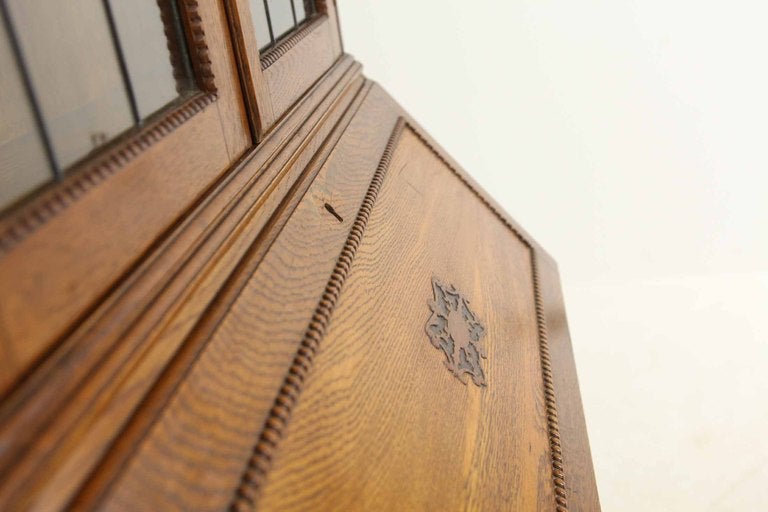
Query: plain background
x: 630, y: 138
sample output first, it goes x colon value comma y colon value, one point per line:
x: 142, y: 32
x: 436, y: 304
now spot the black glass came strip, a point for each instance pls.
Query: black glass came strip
x: 293, y: 11
x: 309, y: 10
x: 121, y: 62
x: 27, y: 81
x: 269, y: 24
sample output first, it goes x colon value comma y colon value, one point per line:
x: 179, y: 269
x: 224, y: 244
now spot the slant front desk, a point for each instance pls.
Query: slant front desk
x: 267, y: 288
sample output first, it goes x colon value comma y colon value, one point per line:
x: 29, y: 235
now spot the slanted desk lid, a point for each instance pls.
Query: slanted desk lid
x: 426, y: 392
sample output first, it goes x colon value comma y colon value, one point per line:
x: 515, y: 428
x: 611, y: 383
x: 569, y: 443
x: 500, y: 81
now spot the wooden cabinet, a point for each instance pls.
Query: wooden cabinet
x: 281, y: 294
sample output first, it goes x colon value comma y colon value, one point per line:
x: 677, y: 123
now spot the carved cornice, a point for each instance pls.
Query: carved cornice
x: 114, y: 336
x: 258, y: 465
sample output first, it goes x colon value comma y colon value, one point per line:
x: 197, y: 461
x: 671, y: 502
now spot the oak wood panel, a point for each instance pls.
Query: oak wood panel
x: 579, y: 474
x: 226, y: 225
x: 90, y: 435
x: 67, y: 256
x: 295, y: 70
x: 467, y: 178
x: 379, y: 391
x: 182, y: 463
x: 164, y: 362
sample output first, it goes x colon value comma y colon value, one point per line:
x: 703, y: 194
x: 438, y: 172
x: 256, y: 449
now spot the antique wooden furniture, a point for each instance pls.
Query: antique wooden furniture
x: 265, y: 287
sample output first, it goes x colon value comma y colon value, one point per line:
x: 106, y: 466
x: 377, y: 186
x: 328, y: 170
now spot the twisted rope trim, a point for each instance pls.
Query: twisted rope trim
x: 556, y: 452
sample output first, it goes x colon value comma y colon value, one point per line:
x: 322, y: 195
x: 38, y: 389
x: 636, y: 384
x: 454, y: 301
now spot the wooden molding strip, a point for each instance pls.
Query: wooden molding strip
x: 254, y: 476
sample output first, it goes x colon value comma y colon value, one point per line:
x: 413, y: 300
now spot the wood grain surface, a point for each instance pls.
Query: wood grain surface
x: 381, y: 423
x: 193, y: 455
x: 209, y: 329
x: 76, y: 403
x: 289, y: 76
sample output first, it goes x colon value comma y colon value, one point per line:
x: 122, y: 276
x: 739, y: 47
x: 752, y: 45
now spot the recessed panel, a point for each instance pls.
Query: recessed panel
x: 426, y: 392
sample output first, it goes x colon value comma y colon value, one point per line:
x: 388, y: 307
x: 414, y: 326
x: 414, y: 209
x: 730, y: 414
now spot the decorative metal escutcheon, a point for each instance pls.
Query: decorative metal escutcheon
x: 454, y: 329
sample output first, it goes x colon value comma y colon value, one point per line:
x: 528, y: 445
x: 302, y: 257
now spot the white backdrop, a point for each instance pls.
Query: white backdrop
x: 630, y: 137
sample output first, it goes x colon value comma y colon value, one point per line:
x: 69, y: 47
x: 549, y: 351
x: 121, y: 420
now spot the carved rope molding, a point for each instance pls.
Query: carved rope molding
x: 556, y: 452
x: 258, y: 465
x: 61, y: 195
